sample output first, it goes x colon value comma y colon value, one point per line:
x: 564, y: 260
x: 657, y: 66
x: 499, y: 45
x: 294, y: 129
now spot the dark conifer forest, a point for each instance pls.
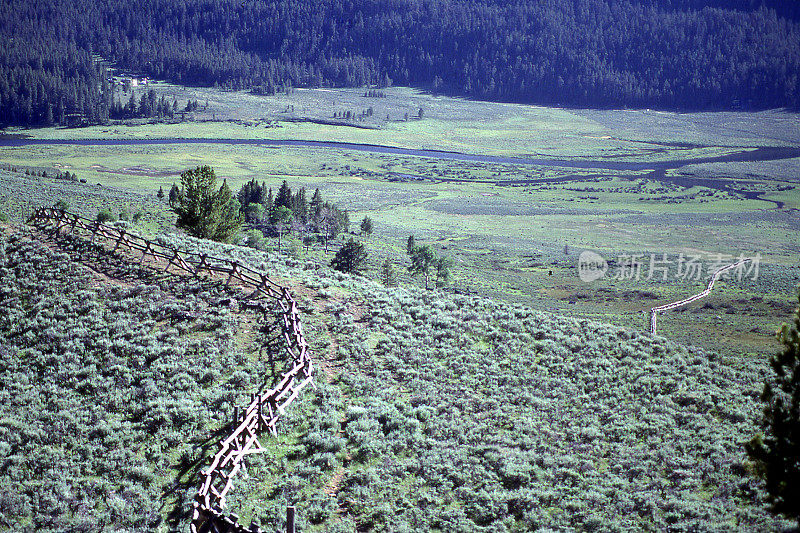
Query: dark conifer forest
x: 674, y: 54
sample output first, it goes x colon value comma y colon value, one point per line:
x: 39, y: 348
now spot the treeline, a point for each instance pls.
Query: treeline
x: 149, y: 106
x: 686, y: 54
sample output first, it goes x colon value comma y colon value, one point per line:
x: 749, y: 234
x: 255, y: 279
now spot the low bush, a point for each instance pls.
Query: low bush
x: 100, y: 393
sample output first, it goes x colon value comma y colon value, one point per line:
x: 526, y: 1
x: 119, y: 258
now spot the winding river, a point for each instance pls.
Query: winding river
x: 745, y: 155
x: 658, y: 168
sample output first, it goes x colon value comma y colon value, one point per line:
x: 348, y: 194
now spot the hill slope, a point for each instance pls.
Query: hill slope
x: 440, y: 412
x: 111, y: 384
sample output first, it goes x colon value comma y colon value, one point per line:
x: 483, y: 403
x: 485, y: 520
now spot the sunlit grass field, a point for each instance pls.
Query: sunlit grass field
x: 521, y: 242
x: 434, y: 410
x: 451, y: 124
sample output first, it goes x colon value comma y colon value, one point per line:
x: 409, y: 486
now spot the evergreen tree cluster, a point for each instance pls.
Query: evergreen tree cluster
x: 291, y: 210
x: 686, y: 54
x: 48, y: 72
x: 148, y: 106
x: 352, y: 115
x: 351, y: 258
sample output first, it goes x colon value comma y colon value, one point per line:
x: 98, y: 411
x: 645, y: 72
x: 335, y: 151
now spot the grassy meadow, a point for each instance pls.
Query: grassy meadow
x: 452, y: 124
x: 114, y: 380
x: 514, y: 231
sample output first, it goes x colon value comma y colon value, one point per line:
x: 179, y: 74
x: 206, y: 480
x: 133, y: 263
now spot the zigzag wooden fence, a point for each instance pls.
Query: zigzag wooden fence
x: 264, y: 409
x: 717, y: 273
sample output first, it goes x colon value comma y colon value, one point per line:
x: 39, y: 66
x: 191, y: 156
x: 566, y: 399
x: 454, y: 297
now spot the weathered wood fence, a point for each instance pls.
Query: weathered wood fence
x: 717, y: 273
x: 265, y: 409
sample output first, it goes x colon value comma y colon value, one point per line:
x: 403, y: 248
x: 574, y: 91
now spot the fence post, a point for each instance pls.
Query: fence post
x: 204, y: 509
x: 290, y: 519
x: 260, y: 425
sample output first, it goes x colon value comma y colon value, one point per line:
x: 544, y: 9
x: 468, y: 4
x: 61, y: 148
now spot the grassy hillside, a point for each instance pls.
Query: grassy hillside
x: 113, y: 381
x: 514, y: 232
x: 435, y: 412
x: 515, y: 243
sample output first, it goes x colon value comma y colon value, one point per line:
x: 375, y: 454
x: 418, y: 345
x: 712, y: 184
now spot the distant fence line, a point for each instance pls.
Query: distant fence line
x: 264, y: 409
x: 717, y: 273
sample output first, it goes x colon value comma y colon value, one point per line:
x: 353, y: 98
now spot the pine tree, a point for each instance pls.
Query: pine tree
x: 316, y: 204
x: 410, y: 245
x: 300, y: 206
x: 130, y: 108
x: 366, y: 226
x: 343, y: 220
x: 173, y: 194
x: 284, y: 197
x: 776, y: 453
x: 251, y: 193
x: 203, y: 211
x: 269, y: 203
x: 227, y: 216
x: 388, y: 275
x: 350, y: 258
x: 61, y: 112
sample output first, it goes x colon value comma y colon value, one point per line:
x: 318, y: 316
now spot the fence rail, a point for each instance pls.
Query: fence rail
x: 264, y: 409
x: 717, y: 273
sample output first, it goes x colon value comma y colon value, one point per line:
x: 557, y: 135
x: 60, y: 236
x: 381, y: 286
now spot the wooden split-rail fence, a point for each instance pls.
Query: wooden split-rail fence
x: 265, y: 409
x: 717, y: 273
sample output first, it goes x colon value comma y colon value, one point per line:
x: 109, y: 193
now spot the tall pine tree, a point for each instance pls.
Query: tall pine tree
x: 776, y: 452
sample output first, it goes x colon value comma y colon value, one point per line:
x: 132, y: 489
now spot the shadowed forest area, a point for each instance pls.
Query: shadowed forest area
x: 693, y: 54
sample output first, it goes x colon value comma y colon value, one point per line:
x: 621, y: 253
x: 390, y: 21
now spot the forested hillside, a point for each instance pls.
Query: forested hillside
x: 46, y: 66
x: 687, y: 54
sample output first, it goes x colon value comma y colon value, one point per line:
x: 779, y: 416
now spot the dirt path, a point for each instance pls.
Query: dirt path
x: 331, y: 369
